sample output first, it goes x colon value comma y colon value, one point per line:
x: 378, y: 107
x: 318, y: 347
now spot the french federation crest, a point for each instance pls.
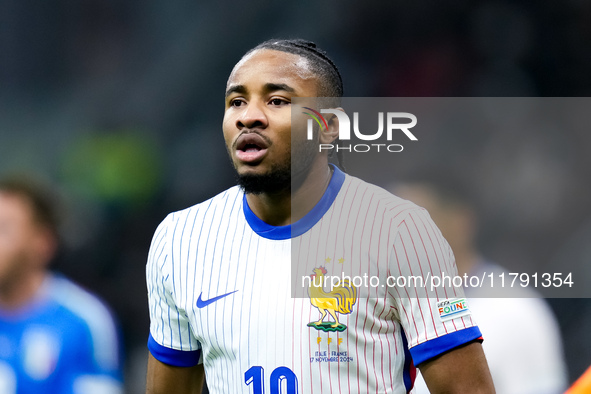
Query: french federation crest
x: 340, y: 300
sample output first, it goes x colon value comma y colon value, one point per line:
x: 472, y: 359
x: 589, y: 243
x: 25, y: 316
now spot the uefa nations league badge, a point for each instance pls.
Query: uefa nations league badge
x: 452, y: 307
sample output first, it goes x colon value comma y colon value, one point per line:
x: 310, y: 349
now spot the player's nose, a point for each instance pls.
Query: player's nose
x: 252, y: 116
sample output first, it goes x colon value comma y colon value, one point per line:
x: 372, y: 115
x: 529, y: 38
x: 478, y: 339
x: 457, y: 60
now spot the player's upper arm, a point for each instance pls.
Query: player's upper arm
x: 441, y: 342
x: 167, y: 379
x: 461, y: 370
x: 435, y: 318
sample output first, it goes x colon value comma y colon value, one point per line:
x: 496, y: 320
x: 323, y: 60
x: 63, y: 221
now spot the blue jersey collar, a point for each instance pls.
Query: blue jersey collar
x: 304, y: 224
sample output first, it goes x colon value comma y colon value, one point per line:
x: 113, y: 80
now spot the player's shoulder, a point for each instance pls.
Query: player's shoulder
x: 231, y: 196
x: 79, y: 302
x: 84, y: 311
x: 384, y: 202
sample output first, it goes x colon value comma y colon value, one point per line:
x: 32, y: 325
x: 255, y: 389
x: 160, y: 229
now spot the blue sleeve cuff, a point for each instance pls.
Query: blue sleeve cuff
x: 442, y: 344
x: 178, y: 358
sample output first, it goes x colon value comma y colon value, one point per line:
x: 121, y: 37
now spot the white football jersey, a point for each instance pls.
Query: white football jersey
x: 227, y: 289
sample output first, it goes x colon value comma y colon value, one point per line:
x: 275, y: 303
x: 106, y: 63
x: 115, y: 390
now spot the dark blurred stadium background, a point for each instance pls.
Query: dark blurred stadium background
x: 119, y: 104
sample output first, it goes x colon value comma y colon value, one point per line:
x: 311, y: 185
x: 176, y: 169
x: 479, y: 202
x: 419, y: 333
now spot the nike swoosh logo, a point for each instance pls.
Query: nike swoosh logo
x: 202, y: 304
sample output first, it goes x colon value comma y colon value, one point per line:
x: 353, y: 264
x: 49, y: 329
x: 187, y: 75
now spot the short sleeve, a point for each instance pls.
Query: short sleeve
x: 423, y: 257
x: 171, y: 340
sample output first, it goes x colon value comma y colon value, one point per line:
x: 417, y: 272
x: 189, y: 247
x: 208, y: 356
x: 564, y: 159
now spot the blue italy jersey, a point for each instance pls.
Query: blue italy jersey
x: 64, y: 341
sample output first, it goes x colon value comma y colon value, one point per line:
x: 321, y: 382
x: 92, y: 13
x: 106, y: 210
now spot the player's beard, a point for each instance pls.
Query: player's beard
x: 284, y: 175
x: 278, y: 179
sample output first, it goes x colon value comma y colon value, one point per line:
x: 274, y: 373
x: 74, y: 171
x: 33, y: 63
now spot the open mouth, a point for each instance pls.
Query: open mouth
x: 251, y: 147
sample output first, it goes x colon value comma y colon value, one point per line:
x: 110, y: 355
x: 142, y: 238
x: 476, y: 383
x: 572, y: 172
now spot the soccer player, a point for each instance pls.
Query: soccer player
x: 219, y: 273
x: 54, y: 336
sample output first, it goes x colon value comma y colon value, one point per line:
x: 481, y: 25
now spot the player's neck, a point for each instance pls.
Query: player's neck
x: 20, y: 292
x: 289, y: 206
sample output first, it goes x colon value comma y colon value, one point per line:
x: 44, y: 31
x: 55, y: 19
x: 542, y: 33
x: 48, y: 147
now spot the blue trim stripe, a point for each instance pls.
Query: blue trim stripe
x: 408, y: 364
x: 169, y: 356
x: 442, y: 344
x: 304, y: 224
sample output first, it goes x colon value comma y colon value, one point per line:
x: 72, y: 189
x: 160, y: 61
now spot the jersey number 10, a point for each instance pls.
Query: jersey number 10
x: 256, y: 377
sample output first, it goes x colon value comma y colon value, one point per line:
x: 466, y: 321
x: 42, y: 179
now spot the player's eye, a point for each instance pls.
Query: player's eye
x: 236, y: 102
x: 278, y: 101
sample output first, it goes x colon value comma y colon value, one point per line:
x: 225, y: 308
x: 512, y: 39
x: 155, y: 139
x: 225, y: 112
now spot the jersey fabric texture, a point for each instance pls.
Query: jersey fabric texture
x: 219, y: 287
x: 64, y: 341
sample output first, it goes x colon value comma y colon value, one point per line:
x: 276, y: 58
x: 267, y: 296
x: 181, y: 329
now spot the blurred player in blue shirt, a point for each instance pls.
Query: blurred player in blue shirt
x: 54, y: 336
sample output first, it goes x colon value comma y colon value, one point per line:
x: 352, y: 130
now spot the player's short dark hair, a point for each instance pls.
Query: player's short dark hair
x: 41, y: 198
x: 330, y: 81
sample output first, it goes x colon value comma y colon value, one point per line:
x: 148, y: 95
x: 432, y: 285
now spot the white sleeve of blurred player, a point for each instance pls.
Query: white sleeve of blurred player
x: 522, y: 344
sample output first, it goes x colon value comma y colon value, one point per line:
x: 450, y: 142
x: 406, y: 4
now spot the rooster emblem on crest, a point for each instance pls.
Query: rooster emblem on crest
x: 340, y: 299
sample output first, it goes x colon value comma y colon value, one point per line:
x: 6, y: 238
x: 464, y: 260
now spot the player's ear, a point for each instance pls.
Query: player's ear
x: 332, y: 133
